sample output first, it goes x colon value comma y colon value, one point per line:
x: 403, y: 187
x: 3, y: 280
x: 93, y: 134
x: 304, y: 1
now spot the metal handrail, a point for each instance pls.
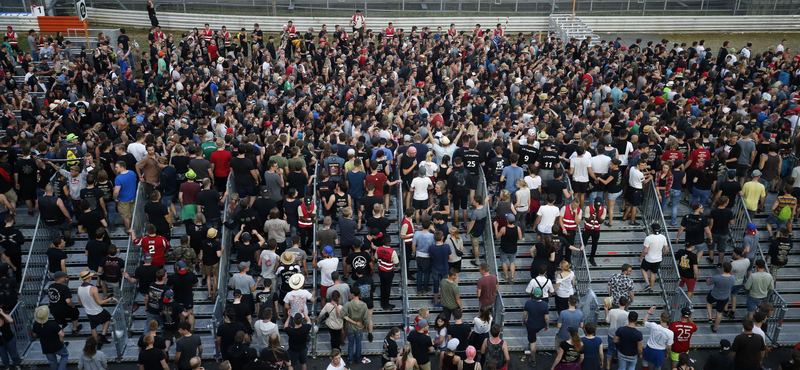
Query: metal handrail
x: 119, y: 328
x: 133, y: 255
x: 650, y: 211
x: 679, y: 300
x: 579, y: 262
x: 22, y: 321
x: 403, y: 261
x: 221, y: 301
x: 498, y: 307
x: 590, y: 306
x: 31, y: 290
x: 314, y: 281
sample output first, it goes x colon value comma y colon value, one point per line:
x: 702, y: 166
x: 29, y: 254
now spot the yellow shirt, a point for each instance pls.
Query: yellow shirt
x: 753, y: 192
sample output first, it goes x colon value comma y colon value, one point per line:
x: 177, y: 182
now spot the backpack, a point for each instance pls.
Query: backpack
x: 786, y: 213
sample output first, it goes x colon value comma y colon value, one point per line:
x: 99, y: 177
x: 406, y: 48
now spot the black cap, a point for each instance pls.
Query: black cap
x: 725, y: 345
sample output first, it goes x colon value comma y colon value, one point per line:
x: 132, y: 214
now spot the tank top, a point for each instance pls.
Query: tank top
x: 51, y: 214
x: 502, y: 209
x: 508, y: 242
x: 494, y: 352
x: 468, y: 366
x: 340, y: 202
x: 447, y: 362
x: 770, y: 171
x: 87, y: 301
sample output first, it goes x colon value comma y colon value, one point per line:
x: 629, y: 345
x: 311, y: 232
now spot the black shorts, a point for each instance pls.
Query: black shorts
x: 64, y: 317
x: 369, y: 302
x: 188, y: 304
x: 472, y: 181
x: 651, y: 266
x: 532, y: 335
x: 99, y: 319
x: 220, y: 183
x: 580, y: 187
x: 419, y: 205
x: 460, y: 201
x: 741, y: 170
x: 27, y: 192
x: 636, y: 197
x: 719, y: 305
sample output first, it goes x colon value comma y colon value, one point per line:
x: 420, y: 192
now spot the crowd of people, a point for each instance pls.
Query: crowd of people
x: 427, y: 110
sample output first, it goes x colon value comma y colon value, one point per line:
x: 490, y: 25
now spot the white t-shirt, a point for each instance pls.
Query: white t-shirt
x: 636, y: 178
x: 616, y: 318
x: 581, y: 166
x: 138, y: 150
x: 600, y: 164
x: 297, y: 301
x: 540, y: 282
x: 655, y: 246
x: 565, y: 287
x: 549, y: 214
x: 420, y: 186
x: 533, y: 182
x: 327, y: 266
x: 759, y: 331
x: 623, y: 157
x: 340, y: 367
x: 796, y: 176
x: 268, y: 262
x: 660, y: 337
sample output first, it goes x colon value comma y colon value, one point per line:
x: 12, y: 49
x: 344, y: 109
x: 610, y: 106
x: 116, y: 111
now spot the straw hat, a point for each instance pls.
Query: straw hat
x: 85, y: 274
x: 42, y: 314
x: 297, y: 280
x: 287, y: 258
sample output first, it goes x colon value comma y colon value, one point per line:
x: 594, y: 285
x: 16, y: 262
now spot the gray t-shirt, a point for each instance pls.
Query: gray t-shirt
x: 568, y: 318
x: 480, y: 213
x: 740, y: 268
x: 187, y: 347
x: 748, y: 147
x: 327, y: 237
x: 243, y: 282
x: 344, y: 293
x: 273, y: 182
x: 721, y: 286
x: 300, y: 256
x: 200, y: 168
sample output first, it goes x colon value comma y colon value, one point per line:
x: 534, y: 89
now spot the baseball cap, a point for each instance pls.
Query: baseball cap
x: 422, y: 323
x: 453, y: 344
x: 237, y: 293
x: 731, y: 174
x: 751, y: 226
x: 148, y: 257
x: 328, y: 250
x: 181, y: 267
x: 59, y: 275
x: 686, y: 312
x: 168, y: 295
x: 537, y: 292
x: 510, y: 217
x: 243, y: 265
x: 246, y: 236
x: 756, y: 173
x: 725, y: 345
x: 71, y: 137
x: 265, y: 191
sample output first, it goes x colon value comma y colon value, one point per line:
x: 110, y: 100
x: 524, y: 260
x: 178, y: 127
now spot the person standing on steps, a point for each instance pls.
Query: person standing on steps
x: 655, y: 248
x: 11, y: 240
x: 125, y: 192
x: 407, y: 236
x: 682, y: 335
x: 696, y: 224
x: 89, y: 299
x: 387, y: 262
x: 621, y: 285
x: 355, y: 313
x: 51, y: 336
x: 477, y: 226
x: 487, y: 287
x: 451, y: 294
x: 535, y: 318
x: 628, y: 341
x: 62, y: 306
x: 740, y: 267
x: 659, y: 343
x: 616, y: 318
x: 594, y: 216
x: 509, y: 235
x: 636, y: 181
x: 54, y: 213
x: 758, y: 286
x: 748, y: 350
x: 570, y: 218
x: 720, y: 221
x: 688, y: 269
x: 440, y: 256
x: 720, y: 293
x: 421, y: 345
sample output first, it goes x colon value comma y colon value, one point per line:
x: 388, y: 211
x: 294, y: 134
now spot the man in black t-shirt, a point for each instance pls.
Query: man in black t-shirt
x: 210, y: 253
x: 298, y: 332
x: 11, y: 241
x: 421, y: 345
x: 226, y: 333
x: 182, y: 283
x: 61, y: 304
x: 56, y: 257
x: 461, y: 331
x: 50, y: 334
x: 687, y: 268
x: 90, y: 221
x: 96, y: 249
x: 357, y: 260
x: 245, y: 174
x: 208, y: 201
x: 244, y: 314
x: 720, y: 223
x: 93, y: 194
x: 25, y: 173
x: 153, y: 300
x: 172, y: 313
x: 729, y: 188
x: 696, y: 226
x: 158, y: 215
x: 110, y: 269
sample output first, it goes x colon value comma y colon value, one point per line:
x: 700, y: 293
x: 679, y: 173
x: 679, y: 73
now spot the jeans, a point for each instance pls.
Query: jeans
x: 214, y: 222
x: 10, y: 350
x: 437, y: 277
x: 354, y: 345
x: 675, y: 197
x: 700, y: 196
x: 56, y: 363
x: 151, y: 317
x: 627, y: 362
x: 594, y: 195
x: 423, y: 273
x: 111, y: 208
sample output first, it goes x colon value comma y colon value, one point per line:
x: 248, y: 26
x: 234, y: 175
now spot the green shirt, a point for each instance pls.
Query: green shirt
x: 291, y: 163
x: 162, y: 66
x: 759, y: 284
x: 356, y: 311
x: 282, y: 162
x: 208, y: 148
x: 450, y: 291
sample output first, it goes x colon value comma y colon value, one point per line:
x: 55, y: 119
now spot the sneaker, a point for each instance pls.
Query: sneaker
x: 104, y: 339
x: 474, y: 263
x: 389, y: 307
x: 635, y: 224
x: 365, y: 360
x: 135, y: 307
x: 76, y: 331
x: 592, y: 262
x: 647, y: 289
x: 370, y: 337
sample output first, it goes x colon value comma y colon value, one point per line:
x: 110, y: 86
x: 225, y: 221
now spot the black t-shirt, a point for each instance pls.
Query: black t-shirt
x: 695, y: 226
x: 27, y: 170
x: 722, y: 219
x: 171, y: 314
x: 182, y: 285
x: 158, y: 342
x: 187, y: 347
x: 197, y: 233
x: 156, y: 213
x: 146, y: 275
x: 48, y: 336
x: 380, y: 223
x: 358, y: 261
x: 91, y: 221
x: 265, y: 300
x: 54, y: 257
x: 93, y: 195
x: 686, y: 260
x: 209, y: 247
x: 156, y: 294
x: 241, y: 171
x: 460, y: 332
x: 369, y: 203
x: 263, y: 206
x: 209, y: 200
x: 420, y: 344
x: 556, y: 187
x: 748, y: 349
x: 112, y: 269
x: 407, y: 162
x: 96, y: 250
x: 731, y: 190
x: 242, y: 310
x: 151, y: 358
x: 58, y: 294
x: 246, y: 252
x: 389, y: 350
x: 297, y: 336
x: 227, y: 334
x: 615, y: 185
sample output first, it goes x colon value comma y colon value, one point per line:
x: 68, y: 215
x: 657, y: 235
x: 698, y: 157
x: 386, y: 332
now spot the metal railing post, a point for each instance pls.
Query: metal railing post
x: 314, y: 283
x: 133, y: 254
x: 650, y: 211
x: 403, y: 255
x: 579, y: 262
x: 498, y: 307
x: 22, y: 321
x: 221, y: 301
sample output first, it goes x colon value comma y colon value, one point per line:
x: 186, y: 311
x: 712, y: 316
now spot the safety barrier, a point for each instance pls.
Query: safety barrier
x: 590, y: 306
x: 23, y: 319
x: 579, y: 261
x: 133, y: 255
x: 775, y: 321
x: 650, y: 211
x: 119, y: 329
x: 679, y: 301
x: 316, y: 252
x: 31, y: 287
x: 403, y: 266
x: 221, y: 300
x: 498, y: 307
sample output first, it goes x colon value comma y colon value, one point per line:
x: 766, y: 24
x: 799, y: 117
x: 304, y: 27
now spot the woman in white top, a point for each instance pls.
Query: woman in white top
x: 430, y: 166
x: 438, y: 332
x: 481, y: 325
x: 456, y: 243
x: 523, y: 203
x: 334, y: 320
x: 90, y: 358
x: 565, y: 286
x: 420, y: 186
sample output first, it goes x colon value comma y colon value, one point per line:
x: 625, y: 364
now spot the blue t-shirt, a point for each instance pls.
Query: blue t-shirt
x: 347, y: 231
x: 512, y: 174
x: 441, y: 256
x: 356, y: 180
x: 591, y: 347
x: 127, y: 184
x: 536, y: 311
x: 424, y: 241
x: 568, y: 318
x: 629, y: 339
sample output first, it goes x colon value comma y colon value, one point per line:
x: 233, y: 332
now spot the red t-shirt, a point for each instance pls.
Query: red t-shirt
x: 212, y: 52
x: 672, y: 155
x: 378, y: 180
x: 683, y: 335
x: 221, y: 159
x: 190, y: 190
x: 155, y: 245
x: 699, y: 157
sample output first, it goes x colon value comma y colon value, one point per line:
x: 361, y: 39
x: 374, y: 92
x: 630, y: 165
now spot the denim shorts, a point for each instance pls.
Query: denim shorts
x: 753, y: 303
x: 508, y: 258
x: 614, y: 196
x: 736, y: 289
x: 779, y: 224
x: 702, y: 247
